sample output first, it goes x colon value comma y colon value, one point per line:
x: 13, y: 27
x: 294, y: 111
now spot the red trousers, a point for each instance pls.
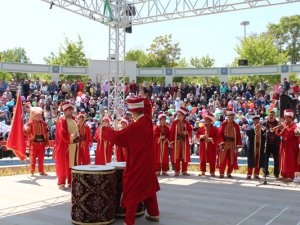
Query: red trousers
x: 151, y: 205
x: 250, y: 171
x: 162, y: 167
x: 184, y: 166
x: 37, y: 150
x: 62, y: 179
x: 212, y: 167
x: 226, y: 162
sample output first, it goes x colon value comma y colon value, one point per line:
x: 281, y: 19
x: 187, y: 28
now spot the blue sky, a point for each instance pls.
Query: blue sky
x: 32, y: 25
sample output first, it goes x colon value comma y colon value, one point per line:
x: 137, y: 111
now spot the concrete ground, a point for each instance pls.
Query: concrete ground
x: 185, y: 200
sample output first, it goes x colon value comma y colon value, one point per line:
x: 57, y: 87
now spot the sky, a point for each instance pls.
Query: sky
x: 30, y: 24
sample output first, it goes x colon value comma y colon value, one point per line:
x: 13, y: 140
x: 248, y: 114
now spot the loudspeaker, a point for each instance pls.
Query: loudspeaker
x: 243, y: 62
x: 128, y: 29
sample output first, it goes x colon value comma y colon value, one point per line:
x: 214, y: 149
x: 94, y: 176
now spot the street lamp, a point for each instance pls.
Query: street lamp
x: 245, y: 23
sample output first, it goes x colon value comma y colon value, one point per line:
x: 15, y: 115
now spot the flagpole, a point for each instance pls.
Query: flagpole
x: 16, y: 141
x: 26, y: 164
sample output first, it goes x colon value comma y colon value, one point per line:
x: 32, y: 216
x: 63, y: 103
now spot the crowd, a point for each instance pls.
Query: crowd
x: 161, y: 124
x: 245, y: 101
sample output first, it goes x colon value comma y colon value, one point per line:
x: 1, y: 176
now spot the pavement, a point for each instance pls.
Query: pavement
x: 193, y: 200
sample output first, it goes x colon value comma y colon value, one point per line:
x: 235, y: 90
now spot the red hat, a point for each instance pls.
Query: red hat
x: 229, y: 111
x: 289, y: 112
x: 125, y: 121
x: 135, y: 104
x: 211, y: 117
x: 66, y: 105
x: 161, y: 115
x: 183, y: 111
x: 80, y: 114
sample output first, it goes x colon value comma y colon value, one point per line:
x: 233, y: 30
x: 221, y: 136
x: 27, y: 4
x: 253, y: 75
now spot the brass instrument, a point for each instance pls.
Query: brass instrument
x: 297, y: 132
x: 263, y: 128
x: 278, y: 127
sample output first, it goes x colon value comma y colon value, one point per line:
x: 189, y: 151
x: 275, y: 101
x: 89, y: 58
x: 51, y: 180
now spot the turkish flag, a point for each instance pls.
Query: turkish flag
x: 16, y: 139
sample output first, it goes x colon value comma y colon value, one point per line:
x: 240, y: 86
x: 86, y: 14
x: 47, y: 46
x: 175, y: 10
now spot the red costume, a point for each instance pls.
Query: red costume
x: 289, y: 149
x: 104, y: 147
x: 38, y: 139
x: 139, y: 179
x: 121, y: 152
x: 181, y: 143
x: 229, y: 139
x: 85, y: 141
x: 66, y: 147
x: 208, y: 147
x: 161, y: 135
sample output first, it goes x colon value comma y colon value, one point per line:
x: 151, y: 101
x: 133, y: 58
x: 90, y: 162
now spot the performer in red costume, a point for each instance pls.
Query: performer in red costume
x: 37, y: 134
x: 208, y: 136
x: 181, y: 133
x: 66, y: 145
x: 161, y: 135
x: 139, y: 179
x: 289, y: 147
x: 121, y: 152
x: 85, y: 140
x: 229, y: 139
x: 104, y: 147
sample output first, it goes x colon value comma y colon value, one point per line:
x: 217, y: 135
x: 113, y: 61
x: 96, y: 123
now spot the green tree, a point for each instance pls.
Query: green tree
x: 69, y: 54
x: 203, y: 62
x: 259, y: 50
x: 137, y: 55
x: 183, y: 63
x: 271, y: 80
x: 286, y: 36
x: 16, y: 55
x: 163, y: 52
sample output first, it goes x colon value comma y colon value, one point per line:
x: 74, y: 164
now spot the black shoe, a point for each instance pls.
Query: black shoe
x: 152, y: 218
x: 221, y: 176
x: 229, y: 176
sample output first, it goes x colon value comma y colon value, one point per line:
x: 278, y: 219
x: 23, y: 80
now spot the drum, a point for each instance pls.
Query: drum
x: 93, y: 199
x: 120, y: 212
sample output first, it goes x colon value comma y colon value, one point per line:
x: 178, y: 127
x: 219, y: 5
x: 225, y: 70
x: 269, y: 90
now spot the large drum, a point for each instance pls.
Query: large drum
x: 93, y: 199
x: 120, y: 212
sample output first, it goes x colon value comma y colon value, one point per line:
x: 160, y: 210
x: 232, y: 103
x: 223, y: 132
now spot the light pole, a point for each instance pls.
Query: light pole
x: 245, y: 23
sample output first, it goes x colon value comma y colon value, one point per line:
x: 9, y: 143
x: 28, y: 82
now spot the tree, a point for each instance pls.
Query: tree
x: 137, y: 55
x: 182, y: 63
x: 69, y: 54
x: 271, y: 80
x: 203, y: 62
x: 286, y: 36
x: 259, y: 50
x: 16, y: 55
x: 163, y: 52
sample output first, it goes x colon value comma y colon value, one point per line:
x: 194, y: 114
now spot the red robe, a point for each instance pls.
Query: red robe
x: 121, y: 154
x: 289, y: 149
x: 208, y: 150
x: 104, y: 149
x: 237, y: 143
x: 139, y: 178
x: 173, y: 139
x: 161, y: 148
x: 61, y: 154
x: 84, y: 144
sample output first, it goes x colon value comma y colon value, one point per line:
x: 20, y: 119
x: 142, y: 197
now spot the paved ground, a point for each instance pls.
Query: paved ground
x: 185, y: 200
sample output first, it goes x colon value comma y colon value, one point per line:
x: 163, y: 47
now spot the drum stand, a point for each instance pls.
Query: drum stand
x: 265, y: 159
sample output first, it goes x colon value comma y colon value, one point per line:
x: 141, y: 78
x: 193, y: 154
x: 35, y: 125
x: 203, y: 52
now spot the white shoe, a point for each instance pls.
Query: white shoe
x: 62, y: 187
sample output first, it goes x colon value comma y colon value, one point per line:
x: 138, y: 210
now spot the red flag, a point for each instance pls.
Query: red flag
x: 16, y: 139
